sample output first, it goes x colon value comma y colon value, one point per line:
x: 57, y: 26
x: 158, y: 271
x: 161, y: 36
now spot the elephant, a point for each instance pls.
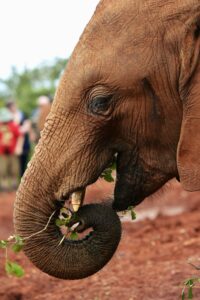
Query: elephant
x: 131, y: 90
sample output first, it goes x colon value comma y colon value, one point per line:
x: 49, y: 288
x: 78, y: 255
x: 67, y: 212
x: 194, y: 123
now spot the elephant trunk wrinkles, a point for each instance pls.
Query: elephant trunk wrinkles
x: 70, y: 259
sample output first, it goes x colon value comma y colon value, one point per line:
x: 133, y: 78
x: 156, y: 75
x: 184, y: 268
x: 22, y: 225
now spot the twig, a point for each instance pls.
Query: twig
x: 61, y: 241
x: 196, y: 267
x: 45, y: 228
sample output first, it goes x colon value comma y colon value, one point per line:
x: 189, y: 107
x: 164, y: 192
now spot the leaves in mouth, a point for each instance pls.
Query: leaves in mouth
x: 107, y: 173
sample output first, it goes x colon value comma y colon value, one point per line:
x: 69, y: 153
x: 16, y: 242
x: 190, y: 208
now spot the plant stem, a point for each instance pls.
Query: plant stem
x: 6, y: 254
x: 42, y: 230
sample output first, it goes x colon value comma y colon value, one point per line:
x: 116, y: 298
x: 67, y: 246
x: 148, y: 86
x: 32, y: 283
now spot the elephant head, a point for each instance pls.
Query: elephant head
x: 131, y: 89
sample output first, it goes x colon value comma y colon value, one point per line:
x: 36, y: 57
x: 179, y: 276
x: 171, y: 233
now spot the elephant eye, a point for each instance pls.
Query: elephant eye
x: 100, y: 104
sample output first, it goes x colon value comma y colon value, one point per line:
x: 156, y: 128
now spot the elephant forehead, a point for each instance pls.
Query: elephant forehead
x: 131, y: 23
x: 115, y: 63
x: 122, y: 37
x: 120, y: 45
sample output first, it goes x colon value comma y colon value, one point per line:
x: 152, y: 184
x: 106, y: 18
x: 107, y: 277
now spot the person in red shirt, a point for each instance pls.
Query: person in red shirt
x: 9, y: 134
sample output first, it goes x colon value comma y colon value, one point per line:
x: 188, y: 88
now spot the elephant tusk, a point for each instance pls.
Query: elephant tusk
x: 74, y: 226
x: 77, y: 199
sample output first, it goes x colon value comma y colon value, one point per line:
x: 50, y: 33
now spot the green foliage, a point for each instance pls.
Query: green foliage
x: 18, y: 245
x: 27, y: 85
x: 3, y: 244
x: 64, y: 218
x: 15, y: 243
x: 189, y: 284
x: 183, y: 295
x: 73, y: 236
x: 107, y: 173
x: 60, y: 222
x: 133, y: 213
x: 12, y: 268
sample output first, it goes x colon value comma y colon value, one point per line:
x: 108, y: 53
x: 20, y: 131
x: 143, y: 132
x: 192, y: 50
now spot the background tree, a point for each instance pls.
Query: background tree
x: 27, y: 85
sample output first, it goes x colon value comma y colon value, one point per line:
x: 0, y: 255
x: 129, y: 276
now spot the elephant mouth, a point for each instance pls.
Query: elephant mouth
x: 76, y: 196
x: 77, y: 199
x: 131, y: 187
x: 126, y: 191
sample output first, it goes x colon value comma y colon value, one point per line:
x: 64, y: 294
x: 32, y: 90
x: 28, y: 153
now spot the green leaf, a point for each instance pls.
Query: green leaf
x: 18, y: 239
x: 187, y: 282
x: 60, y: 222
x: 73, y: 236
x: 183, y: 294
x: 190, y: 282
x: 133, y: 214
x: 17, y: 247
x: 108, y: 178
x: 3, y: 244
x: 14, y: 269
x: 67, y: 220
x: 107, y: 175
x: 114, y: 165
x: 190, y: 293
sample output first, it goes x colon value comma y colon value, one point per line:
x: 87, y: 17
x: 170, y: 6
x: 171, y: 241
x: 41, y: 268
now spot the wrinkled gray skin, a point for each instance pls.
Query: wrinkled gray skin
x: 131, y: 87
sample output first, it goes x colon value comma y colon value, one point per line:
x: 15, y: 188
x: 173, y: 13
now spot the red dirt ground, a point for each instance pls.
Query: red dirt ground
x: 150, y: 263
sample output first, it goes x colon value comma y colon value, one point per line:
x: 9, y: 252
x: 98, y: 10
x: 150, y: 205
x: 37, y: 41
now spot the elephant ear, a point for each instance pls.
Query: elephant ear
x: 188, y: 153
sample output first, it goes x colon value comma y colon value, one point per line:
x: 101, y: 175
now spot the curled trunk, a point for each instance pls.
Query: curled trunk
x: 71, y: 259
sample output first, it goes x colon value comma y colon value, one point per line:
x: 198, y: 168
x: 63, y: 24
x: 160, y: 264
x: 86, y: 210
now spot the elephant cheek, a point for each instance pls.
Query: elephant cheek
x: 125, y: 194
x: 128, y: 184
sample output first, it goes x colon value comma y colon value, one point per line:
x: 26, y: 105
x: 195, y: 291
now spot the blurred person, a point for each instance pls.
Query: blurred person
x: 23, y: 146
x: 44, y: 105
x: 9, y: 134
x: 40, y: 115
x: 17, y: 114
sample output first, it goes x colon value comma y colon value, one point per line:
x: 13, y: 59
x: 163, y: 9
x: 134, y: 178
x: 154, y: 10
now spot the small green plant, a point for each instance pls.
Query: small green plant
x: 190, y: 284
x: 15, y: 243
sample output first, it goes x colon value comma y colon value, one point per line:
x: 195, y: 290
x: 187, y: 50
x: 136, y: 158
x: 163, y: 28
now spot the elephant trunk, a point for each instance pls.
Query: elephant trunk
x: 69, y: 259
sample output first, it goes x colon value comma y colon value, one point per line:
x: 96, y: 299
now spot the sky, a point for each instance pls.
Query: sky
x: 34, y: 31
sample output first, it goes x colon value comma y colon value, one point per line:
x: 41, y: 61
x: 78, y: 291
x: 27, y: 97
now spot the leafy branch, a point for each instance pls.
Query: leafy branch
x: 15, y: 243
x: 190, y: 284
